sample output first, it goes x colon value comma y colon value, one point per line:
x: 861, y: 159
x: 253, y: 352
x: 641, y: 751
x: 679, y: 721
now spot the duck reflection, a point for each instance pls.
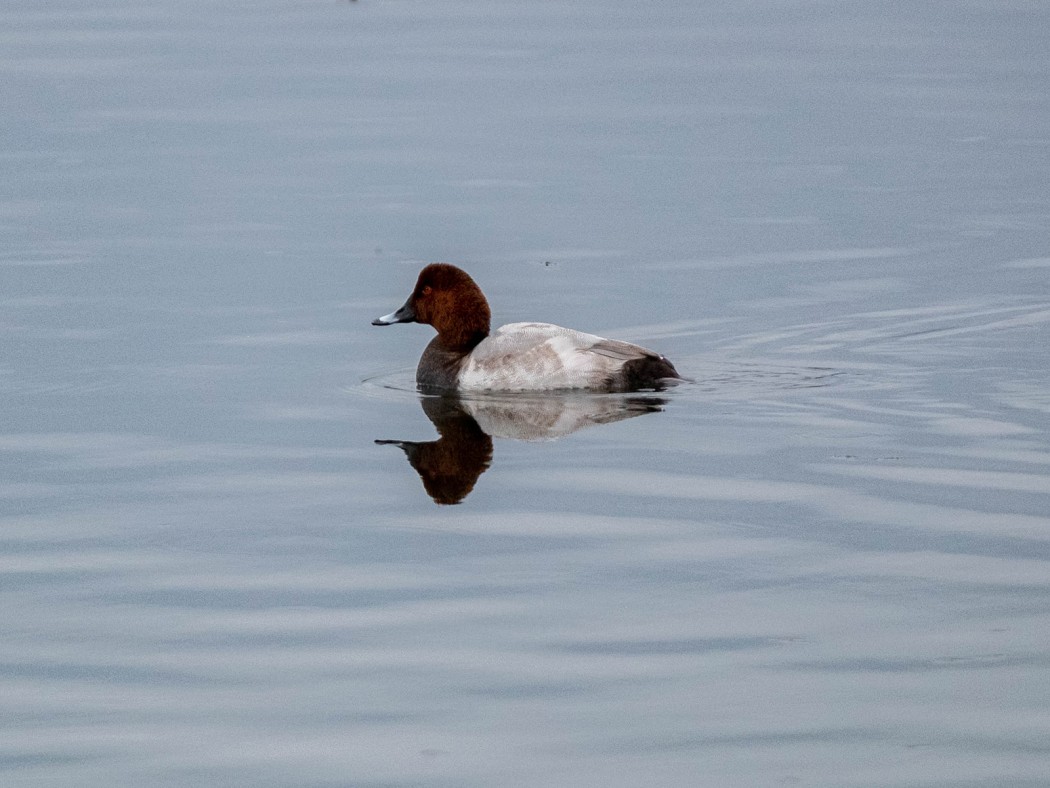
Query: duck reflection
x: 450, y: 466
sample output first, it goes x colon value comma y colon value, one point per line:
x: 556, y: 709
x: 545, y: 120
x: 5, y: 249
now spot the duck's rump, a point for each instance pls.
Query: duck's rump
x: 542, y: 356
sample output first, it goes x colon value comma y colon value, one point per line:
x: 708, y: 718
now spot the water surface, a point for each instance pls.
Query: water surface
x: 825, y: 561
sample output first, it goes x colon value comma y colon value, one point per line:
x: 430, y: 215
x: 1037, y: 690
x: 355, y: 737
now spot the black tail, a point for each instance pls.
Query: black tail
x: 648, y: 372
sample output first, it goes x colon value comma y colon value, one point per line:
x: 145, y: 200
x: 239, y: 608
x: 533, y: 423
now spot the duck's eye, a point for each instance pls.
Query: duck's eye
x: 427, y: 290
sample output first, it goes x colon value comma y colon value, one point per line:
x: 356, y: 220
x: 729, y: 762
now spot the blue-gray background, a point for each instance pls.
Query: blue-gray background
x: 825, y: 562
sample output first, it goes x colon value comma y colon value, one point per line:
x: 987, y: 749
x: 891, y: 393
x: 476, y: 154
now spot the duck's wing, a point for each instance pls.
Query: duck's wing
x: 619, y: 351
x: 541, y: 356
x: 534, y: 357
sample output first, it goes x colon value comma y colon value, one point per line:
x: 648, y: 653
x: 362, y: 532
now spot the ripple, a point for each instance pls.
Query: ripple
x: 744, y: 380
x: 398, y: 384
x: 88, y: 381
x: 720, y: 377
x: 41, y: 258
x: 893, y: 330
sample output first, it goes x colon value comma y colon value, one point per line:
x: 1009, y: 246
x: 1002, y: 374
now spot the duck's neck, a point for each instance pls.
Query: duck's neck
x: 439, y: 366
x: 462, y: 339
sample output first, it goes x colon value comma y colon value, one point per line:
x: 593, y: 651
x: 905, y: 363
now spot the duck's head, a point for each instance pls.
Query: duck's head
x: 446, y: 298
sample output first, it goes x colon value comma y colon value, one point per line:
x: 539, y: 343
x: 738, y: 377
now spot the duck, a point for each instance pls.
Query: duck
x: 466, y: 356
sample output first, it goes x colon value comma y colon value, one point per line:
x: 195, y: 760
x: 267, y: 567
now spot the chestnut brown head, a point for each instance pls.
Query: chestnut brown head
x: 446, y: 298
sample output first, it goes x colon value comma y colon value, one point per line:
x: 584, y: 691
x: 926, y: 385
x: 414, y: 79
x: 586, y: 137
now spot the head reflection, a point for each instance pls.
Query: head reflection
x: 450, y: 466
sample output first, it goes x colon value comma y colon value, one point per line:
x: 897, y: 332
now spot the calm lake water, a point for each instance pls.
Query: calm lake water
x: 826, y: 561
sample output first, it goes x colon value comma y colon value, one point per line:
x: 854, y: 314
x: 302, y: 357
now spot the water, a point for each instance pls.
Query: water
x: 826, y: 561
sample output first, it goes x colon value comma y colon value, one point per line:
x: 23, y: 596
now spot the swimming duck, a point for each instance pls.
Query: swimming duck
x: 465, y: 356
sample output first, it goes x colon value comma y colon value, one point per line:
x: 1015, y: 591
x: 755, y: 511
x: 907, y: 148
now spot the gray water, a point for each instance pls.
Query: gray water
x: 826, y: 561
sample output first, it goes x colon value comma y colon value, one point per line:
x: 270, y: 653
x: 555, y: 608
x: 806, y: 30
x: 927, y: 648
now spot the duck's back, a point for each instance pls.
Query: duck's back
x: 541, y: 356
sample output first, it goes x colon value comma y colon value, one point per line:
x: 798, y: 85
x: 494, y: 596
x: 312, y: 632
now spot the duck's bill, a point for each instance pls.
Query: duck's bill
x: 404, y: 315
